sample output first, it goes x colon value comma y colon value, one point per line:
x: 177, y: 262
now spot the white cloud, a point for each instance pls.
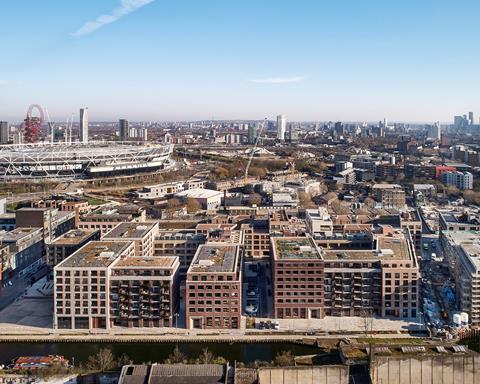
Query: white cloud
x: 278, y: 80
x: 125, y: 7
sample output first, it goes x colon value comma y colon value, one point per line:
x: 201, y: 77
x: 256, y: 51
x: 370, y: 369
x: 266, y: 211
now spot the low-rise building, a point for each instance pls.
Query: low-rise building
x: 214, y: 287
x: 319, y: 222
x: 161, y: 190
x: 208, y: 198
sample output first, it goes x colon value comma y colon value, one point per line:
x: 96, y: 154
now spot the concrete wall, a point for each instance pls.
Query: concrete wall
x: 327, y: 374
x: 450, y: 369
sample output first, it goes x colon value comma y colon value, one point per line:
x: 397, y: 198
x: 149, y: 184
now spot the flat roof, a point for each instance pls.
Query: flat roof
x: 470, y: 241
x: 199, y: 193
x: 295, y: 248
x: 388, y: 248
x: 95, y: 254
x: 215, y: 257
x: 146, y: 262
x: 74, y: 236
x: 130, y: 230
x: 18, y: 233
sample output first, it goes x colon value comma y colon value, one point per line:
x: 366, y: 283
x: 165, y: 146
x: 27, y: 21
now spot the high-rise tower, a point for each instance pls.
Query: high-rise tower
x: 281, y: 127
x: 83, y: 133
x: 124, y: 131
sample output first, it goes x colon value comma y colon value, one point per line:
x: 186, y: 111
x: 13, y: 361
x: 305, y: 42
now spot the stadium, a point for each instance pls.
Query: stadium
x: 78, y: 160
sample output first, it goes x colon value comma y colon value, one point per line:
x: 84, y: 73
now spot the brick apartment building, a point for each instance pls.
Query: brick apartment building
x: 144, y: 292
x: 142, y: 234
x: 63, y: 246
x: 82, y: 285
x: 298, y: 278
x: 181, y: 243
x: 214, y: 287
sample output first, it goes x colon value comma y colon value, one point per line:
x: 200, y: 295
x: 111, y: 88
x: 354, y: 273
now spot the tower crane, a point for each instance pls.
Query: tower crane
x: 259, y: 133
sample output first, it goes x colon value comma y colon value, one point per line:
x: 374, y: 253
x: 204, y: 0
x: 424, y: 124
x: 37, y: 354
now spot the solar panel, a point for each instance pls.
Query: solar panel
x: 460, y: 348
x: 413, y: 349
x: 441, y: 349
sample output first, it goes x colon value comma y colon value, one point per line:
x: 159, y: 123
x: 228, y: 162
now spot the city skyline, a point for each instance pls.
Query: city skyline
x: 162, y: 61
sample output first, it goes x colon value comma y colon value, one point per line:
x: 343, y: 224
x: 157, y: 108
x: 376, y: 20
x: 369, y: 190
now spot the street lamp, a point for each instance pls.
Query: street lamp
x: 176, y: 320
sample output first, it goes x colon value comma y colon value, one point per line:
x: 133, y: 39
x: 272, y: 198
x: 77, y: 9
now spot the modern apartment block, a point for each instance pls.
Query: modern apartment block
x: 298, y: 278
x: 314, y: 282
x: 462, y: 253
x: 140, y: 233
x: 53, y: 222
x: 257, y: 239
x: 25, y: 250
x: 381, y: 281
x: 181, y: 243
x: 214, y: 287
x: 461, y: 180
x: 144, y: 292
x: 103, y: 221
x: 63, y: 246
x: 82, y: 285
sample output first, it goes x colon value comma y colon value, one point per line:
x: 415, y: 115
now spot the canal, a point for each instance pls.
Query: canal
x: 153, y: 352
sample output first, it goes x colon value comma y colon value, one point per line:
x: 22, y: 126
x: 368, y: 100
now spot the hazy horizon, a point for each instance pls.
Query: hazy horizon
x: 158, y: 60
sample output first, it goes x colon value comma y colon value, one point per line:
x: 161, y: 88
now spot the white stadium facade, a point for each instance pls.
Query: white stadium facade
x: 81, y: 160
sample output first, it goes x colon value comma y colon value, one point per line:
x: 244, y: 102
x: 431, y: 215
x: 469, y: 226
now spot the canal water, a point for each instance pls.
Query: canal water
x: 153, y: 352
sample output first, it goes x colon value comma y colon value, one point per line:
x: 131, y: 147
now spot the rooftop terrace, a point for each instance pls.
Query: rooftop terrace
x: 294, y: 248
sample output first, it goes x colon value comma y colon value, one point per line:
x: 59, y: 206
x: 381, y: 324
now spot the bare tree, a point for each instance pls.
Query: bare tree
x: 193, y: 206
x: 102, y: 361
x: 176, y: 357
x: 206, y: 357
x: 367, y: 317
x: 285, y: 359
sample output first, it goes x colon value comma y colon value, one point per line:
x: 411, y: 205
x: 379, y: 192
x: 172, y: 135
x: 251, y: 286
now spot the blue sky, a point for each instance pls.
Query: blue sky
x: 345, y: 60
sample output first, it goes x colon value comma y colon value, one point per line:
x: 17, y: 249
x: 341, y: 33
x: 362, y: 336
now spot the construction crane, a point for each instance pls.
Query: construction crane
x: 259, y: 133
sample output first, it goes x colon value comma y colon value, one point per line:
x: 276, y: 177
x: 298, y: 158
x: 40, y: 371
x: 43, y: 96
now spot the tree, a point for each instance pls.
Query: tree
x: 176, y: 357
x: 124, y: 360
x: 306, y: 200
x: 174, y: 203
x: 206, y: 357
x: 193, y: 206
x: 453, y: 191
x: 472, y: 197
x: 285, y: 359
x: 255, y: 199
x: 257, y: 171
x: 102, y: 361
